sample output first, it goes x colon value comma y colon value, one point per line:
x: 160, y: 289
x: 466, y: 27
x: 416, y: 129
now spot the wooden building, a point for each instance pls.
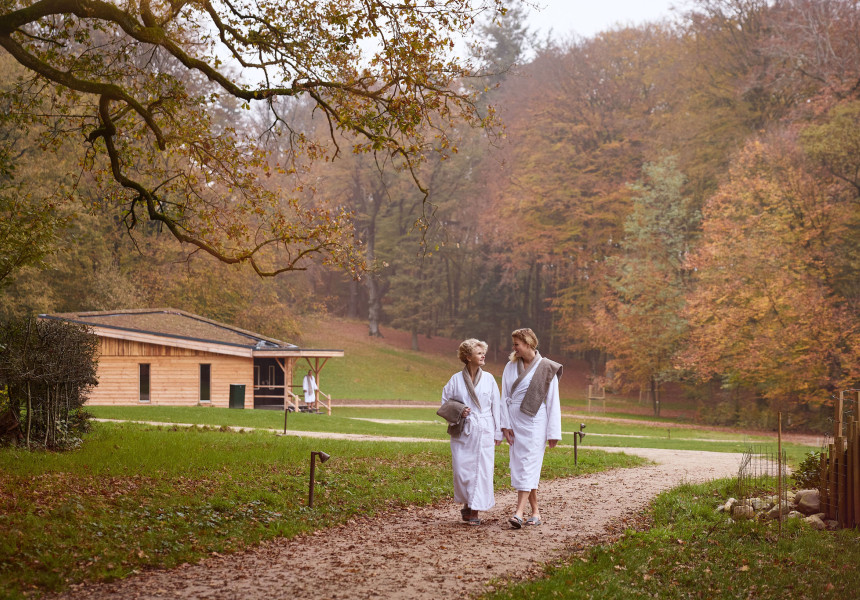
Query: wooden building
x: 169, y: 357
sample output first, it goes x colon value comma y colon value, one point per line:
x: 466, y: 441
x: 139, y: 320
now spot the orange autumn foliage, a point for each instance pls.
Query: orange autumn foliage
x: 765, y: 312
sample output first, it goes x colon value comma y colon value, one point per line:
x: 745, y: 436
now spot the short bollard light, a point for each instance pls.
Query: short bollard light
x: 577, y: 437
x: 323, y: 457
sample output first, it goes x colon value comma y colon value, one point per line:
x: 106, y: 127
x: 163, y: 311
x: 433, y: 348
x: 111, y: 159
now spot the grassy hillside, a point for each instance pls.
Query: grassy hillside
x: 388, y: 369
x: 378, y: 368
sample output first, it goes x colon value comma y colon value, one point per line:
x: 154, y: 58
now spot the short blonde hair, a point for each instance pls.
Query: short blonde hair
x: 526, y: 336
x: 468, y: 347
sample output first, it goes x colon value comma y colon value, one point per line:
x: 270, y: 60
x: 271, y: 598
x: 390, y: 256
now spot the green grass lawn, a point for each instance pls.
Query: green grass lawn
x: 578, y: 407
x: 136, y: 496
x: 689, y: 551
x: 427, y: 425
x: 434, y: 428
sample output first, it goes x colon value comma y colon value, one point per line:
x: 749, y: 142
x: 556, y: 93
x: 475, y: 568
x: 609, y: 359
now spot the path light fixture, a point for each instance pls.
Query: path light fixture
x: 323, y: 457
x: 577, y: 437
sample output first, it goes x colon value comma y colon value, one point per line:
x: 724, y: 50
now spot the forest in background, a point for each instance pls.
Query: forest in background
x: 676, y: 202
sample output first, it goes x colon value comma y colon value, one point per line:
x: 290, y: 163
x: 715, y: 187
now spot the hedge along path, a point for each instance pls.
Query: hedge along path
x: 428, y: 553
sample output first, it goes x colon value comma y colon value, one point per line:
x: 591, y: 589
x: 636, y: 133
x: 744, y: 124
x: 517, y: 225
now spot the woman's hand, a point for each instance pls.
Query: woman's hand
x: 552, y: 443
x: 498, y: 442
x: 509, y: 435
x: 466, y: 412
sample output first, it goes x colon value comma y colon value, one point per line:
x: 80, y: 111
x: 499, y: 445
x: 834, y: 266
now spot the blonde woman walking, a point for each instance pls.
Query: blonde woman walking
x: 531, y: 419
x: 471, y: 405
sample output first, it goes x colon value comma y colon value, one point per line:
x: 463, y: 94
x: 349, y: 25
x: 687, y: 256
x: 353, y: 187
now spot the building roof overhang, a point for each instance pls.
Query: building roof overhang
x: 255, y: 346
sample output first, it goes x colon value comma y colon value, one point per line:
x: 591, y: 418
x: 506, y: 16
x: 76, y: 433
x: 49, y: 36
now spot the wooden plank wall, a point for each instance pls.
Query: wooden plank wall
x: 174, y: 375
x: 840, y: 469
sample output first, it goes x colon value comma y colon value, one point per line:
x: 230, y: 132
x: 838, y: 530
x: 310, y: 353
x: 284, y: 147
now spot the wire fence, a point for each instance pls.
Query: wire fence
x: 763, y: 469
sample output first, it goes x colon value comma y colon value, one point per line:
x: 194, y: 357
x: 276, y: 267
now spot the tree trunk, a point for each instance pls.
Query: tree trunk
x: 737, y: 394
x: 654, y: 397
x: 537, y: 304
x: 352, y: 302
x: 524, y: 310
x: 374, y: 300
x: 415, y: 340
x: 374, y: 306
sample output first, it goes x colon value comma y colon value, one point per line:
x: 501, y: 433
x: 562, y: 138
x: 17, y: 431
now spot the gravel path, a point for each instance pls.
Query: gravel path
x: 428, y: 553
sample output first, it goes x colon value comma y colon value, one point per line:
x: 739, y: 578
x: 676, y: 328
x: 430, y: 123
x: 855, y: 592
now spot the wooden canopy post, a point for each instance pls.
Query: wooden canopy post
x: 286, y: 365
x: 317, y: 368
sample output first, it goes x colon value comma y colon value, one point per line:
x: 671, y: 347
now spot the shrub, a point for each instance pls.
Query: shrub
x: 46, y: 369
x: 807, y: 474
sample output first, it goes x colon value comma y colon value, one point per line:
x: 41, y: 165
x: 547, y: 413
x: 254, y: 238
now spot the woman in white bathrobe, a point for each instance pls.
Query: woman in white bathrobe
x: 473, y: 451
x: 309, y: 388
x: 527, y: 435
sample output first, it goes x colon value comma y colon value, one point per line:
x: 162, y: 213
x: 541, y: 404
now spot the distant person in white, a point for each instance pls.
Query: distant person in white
x: 473, y: 451
x: 531, y: 418
x: 309, y: 387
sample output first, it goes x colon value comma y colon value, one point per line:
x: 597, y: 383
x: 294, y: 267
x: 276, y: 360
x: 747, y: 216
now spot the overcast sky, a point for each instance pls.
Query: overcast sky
x: 588, y: 17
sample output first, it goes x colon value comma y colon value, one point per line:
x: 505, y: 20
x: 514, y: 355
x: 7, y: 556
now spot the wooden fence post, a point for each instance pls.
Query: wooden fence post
x: 822, y: 484
x: 838, y: 461
x: 831, y: 482
x: 855, y: 473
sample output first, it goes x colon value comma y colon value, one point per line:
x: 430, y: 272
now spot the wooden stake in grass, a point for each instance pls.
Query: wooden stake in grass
x: 779, y: 472
x: 323, y: 457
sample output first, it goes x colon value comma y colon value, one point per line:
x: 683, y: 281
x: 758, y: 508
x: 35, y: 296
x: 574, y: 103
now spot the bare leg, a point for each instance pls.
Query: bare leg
x: 533, y: 501
x: 522, y: 500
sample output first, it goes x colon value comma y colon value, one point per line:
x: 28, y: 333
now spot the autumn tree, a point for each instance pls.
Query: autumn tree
x: 578, y: 131
x: 638, y: 320
x: 29, y: 224
x: 769, y: 310
x: 31, y: 217
x: 117, y: 76
x: 422, y: 245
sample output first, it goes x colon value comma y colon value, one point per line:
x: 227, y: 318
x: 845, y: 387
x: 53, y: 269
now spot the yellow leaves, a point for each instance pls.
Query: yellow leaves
x: 179, y: 142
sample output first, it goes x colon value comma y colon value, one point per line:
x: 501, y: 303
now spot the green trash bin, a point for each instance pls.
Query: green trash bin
x: 237, y: 395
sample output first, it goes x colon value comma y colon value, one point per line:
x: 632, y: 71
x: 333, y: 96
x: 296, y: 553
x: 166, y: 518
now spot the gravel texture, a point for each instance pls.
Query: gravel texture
x: 428, y: 553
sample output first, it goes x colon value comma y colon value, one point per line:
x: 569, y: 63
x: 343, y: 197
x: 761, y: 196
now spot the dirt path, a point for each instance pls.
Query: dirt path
x: 427, y: 553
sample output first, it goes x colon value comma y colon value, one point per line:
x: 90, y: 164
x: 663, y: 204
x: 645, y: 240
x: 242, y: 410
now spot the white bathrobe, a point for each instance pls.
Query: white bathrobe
x: 309, y: 387
x: 530, y: 433
x: 473, y: 451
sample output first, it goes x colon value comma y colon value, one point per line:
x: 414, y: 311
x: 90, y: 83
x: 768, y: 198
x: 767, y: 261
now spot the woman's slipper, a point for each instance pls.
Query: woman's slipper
x: 516, y: 522
x: 533, y: 521
x: 474, y: 521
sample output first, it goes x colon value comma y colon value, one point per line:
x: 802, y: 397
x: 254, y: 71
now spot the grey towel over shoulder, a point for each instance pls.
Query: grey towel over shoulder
x: 470, y: 385
x: 545, y: 370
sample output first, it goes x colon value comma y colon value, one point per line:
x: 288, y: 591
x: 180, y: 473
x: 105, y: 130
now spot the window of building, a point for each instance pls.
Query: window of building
x: 144, y: 382
x: 205, y: 383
